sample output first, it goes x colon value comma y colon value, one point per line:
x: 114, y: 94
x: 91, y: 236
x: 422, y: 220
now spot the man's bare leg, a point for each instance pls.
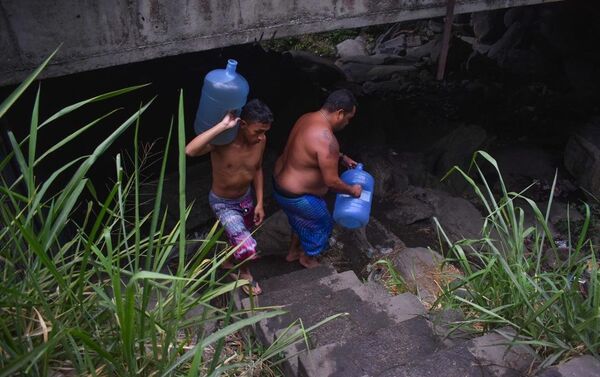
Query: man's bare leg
x: 297, y: 254
x: 244, y: 273
x: 308, y: 262
x: 295, y: 251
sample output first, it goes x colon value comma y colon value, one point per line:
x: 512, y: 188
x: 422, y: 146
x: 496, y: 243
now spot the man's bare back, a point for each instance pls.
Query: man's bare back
x: 309, y: 162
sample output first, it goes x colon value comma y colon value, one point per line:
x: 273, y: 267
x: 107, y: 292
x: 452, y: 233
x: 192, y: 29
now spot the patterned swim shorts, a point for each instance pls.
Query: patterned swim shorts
x: 237, y: 217
x: 309, y: 218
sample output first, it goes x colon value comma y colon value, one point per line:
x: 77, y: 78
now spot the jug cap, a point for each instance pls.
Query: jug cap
x: 231, y: 65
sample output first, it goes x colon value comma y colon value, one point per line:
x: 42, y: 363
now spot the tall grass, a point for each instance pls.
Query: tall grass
x: 516, y: 275
x: 93, y: 294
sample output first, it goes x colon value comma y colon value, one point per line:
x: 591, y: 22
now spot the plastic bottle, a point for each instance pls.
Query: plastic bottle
x: 351, y: 212
x: 223, y: 90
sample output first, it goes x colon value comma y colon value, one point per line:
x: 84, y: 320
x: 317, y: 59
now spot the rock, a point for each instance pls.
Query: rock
x: 509, y: 40
x: 495, y: 350
x: 321, y: 70
x: 373, y: 354
x: 526, y: 61
x: 541, y: 165
x: 376, y: 59
x: 384, y: 88
x: 423, y: 50
x: 409, y: 210
x: 457, y: 148
x: 361, y: 246
x: 421, y: 270
x: 580, y: 366
x: 559, y: 212
x: 436, y: 49
x: 392, y: 46
x: 458, y: 217
x: 352, y: 47
x: 488, y: 26
x: 582, y: 157
x: 443, y: 325
x: 413, y: 40
x: 413, y: 167
x: 356, y: 72
x: 425, y: 75
x: 378, y: 164
x: 582, y: 72
x: 435, y: 26
x: 387, y: 72
x: 521, y: 14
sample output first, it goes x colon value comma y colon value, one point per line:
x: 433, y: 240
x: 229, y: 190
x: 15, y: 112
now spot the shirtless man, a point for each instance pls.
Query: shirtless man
x: 234, y: 167
x: 305, y: 172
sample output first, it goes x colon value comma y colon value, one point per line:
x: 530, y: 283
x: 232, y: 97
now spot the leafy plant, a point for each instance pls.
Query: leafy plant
x: 516, y: 275
x: 391, y: 278
x: 93, y: 294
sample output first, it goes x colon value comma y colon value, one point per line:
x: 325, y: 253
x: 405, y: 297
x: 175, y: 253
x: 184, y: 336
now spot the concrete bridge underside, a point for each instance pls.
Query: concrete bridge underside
x: 98, y: 34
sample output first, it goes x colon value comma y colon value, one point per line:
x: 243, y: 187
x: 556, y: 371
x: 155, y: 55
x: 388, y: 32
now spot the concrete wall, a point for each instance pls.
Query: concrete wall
x: 102, y: 33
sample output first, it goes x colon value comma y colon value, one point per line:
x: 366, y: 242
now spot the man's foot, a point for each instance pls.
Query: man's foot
x: 252, y: 288
x: 243, y: 273
x: 294, y: 255
x: 308, y: 262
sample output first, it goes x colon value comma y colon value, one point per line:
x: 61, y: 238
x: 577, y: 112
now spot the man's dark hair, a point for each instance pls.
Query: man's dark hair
x: 340, y: 99
x: 255, y: 111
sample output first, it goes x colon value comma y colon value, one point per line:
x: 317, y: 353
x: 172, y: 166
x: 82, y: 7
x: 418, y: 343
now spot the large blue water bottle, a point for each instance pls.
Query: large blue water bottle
x: 351, y: 212
x: 223, y: 90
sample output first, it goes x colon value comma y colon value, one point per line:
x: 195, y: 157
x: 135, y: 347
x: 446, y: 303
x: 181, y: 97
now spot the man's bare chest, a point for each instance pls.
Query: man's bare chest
x: 237, y: 162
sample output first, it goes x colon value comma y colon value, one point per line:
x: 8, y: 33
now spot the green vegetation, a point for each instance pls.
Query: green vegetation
x: 391, y: 278
x: 97, y: 294
x: 322, y: 44
x: 516, y: 275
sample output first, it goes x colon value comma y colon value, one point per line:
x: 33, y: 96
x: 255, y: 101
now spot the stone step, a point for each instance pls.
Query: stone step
x: 273, y: 273
x: 487, y: 355
x: 371, y: 353
x: 368, y: 308
x: 296, y: 278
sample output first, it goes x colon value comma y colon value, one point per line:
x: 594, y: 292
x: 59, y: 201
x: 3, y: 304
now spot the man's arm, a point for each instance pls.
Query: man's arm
x: 328, y: 154
x: 258, y: 184
x: 347, y: 161
x: 200, y: 144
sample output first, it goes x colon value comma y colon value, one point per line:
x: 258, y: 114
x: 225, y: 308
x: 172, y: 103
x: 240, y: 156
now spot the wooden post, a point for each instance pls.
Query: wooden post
x: 446, y: 39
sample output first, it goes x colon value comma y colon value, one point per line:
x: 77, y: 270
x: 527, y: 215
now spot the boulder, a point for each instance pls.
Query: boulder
x: 488, y: 26
x: 580, y: 366
x: 356, y: 72
x: 582, y: 158
x: 352, y: 47
x: 388, y: 72
x: 457, y: 148
x: 392, y: 46
x: 319, y: 69
x: 421, y: 269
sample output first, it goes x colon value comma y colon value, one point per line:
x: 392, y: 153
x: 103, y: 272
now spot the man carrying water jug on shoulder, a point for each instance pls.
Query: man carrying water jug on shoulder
x: 307, y: 169
x: 235, y: 168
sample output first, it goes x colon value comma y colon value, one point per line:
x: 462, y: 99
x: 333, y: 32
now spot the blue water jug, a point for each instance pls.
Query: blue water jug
x: 223, y: 90
x: 351, y: 212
